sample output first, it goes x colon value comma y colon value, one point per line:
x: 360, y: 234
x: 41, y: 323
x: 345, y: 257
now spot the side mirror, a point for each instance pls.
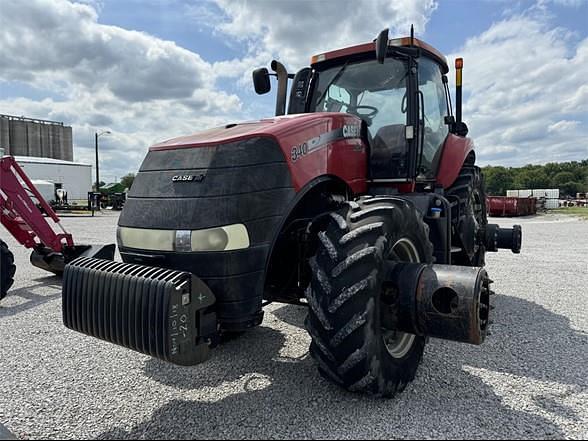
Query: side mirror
x: 382, y: 46
x: 261, y: 81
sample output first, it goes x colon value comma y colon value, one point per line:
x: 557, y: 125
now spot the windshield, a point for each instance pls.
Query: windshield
x: 375, y: 93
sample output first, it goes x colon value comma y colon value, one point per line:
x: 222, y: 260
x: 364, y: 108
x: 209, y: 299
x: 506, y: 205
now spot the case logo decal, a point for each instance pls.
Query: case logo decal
x: 188, y: 178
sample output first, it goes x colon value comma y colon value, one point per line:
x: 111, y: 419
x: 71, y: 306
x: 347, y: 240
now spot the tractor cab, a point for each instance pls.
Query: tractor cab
x: 398, y: 89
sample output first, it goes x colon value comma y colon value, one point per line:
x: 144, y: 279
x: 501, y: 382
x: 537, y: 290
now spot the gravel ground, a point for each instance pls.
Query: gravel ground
x: 529, y: 380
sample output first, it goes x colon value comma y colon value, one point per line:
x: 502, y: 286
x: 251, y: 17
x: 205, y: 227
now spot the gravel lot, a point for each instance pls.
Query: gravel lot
x: 529, y: 380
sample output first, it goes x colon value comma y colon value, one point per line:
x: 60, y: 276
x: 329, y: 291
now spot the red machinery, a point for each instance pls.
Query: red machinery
x: 511, y: 206
x: 21, y: 212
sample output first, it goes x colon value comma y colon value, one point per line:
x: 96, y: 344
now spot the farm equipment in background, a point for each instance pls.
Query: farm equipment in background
x: 22, y: 212
x: 363, y: 203
x: 506, y: 206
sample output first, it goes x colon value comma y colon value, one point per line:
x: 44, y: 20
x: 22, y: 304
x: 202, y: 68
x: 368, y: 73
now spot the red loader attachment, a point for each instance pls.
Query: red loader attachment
x: 22, y: 211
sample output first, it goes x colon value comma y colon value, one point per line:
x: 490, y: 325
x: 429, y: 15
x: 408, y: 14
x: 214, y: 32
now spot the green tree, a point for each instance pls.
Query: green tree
x: 498, y: 180
x: 127, y: 180
x: 571, y: 189
x: 562, y: 178
x: 531, y: 178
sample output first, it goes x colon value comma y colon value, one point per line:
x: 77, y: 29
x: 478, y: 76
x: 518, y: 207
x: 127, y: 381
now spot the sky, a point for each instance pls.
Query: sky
x: 150, y: 70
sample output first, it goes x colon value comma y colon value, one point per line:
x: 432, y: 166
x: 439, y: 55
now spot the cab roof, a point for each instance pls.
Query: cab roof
x: 371, y: 47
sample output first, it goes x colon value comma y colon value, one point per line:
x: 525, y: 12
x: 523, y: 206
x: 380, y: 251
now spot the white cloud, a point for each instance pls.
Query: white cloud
x: 526, y: 92
x: 563, y: 126
x: 144, y: 89
x: 294, y: 30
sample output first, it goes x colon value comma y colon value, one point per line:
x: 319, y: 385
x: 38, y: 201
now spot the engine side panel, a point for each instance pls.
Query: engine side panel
x: 329, y: 144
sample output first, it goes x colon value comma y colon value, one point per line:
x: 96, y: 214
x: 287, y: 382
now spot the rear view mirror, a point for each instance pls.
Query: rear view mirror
x: 261, y: 81
x: 382, y: 46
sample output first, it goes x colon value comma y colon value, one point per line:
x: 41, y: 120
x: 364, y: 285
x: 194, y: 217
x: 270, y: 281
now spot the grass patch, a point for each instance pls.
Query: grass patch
x: 581, y: 212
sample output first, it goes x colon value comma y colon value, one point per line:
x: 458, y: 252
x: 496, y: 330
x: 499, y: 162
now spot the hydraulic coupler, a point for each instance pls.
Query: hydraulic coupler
x: 163, y: 313
x: 443, y: 301
x: 503, y: 238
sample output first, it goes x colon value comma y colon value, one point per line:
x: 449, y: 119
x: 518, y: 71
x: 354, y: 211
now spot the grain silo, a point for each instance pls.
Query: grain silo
x: 20, y: 136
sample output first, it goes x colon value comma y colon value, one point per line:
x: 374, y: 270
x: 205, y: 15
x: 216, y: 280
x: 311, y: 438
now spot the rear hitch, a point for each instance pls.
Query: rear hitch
x: 503, y: 238
x: 159, y: 312
x: 443, y: 301
x: 54, y: 262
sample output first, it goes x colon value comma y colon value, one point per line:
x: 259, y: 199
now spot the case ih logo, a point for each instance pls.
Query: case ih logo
x: 188, y: 178
x: 351, y: 131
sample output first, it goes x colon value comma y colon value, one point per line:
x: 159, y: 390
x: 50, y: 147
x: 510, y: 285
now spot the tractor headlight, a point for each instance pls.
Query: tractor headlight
x: 227, y: 238
x: 146, y: 239
x: 230, y: 237
x: 213, y: 239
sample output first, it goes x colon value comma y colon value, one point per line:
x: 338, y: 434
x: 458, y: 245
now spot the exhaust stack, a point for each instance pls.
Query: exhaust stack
x: 282, y: 75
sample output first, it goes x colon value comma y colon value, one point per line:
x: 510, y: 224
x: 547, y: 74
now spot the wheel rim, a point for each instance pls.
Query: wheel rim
x: 398, y: 344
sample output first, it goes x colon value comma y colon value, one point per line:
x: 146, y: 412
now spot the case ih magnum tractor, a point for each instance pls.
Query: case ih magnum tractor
x: 364, y: 203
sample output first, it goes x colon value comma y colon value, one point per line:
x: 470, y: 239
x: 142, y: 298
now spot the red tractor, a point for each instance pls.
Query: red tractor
x: 363, y: 203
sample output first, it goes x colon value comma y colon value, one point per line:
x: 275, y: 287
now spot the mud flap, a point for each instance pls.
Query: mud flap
x: 163, y: 313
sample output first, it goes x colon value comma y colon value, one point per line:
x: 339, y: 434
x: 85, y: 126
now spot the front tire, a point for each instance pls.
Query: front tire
x: 348, y: 295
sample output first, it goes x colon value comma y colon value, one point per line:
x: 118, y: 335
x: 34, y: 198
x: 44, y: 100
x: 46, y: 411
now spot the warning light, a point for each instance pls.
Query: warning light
x: 459, y: 63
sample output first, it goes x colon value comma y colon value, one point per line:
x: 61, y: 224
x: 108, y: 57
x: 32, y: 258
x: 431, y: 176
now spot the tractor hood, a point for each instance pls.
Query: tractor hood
x: 284, y: 129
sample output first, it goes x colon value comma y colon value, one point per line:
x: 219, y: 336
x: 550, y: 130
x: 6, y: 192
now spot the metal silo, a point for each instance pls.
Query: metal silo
x: 34, y: 139
x: 67, y: 143
x: 5, y: 135
x: 56, y: 133
x: 46, y: 141
x: 18, y: 138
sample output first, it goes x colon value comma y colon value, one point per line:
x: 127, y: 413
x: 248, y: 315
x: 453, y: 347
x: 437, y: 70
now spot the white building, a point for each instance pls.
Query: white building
x: 74, y: 177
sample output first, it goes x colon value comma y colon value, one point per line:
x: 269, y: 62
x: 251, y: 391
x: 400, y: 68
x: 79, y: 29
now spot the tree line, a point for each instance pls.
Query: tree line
x: 569, y: 177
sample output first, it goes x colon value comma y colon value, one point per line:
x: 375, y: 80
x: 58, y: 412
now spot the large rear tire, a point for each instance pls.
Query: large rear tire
x: 468, y: 191
x: 7, y: 269
x: 348, y: 295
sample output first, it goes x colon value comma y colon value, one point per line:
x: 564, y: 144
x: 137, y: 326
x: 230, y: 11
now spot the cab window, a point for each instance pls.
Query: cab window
x: 435, y: 103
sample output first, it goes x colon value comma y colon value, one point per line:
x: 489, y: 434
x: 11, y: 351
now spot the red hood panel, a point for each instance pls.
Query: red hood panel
x: 273, y: 127
x: 313, y: 144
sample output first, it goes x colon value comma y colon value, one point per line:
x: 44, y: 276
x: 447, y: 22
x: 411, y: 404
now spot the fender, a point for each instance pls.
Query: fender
x: 306, y: 204
x: 455, y: 152
x: 331, y: 182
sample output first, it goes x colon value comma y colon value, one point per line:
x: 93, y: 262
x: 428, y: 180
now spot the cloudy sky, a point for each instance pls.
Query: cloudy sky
x: 149, y: 70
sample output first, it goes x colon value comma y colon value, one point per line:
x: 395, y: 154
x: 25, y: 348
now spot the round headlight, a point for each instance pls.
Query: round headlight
x: 213, y: 239
x: 218, y: 239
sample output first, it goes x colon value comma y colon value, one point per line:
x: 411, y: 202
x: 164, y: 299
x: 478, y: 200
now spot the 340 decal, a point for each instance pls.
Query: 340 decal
x: 298, y: 151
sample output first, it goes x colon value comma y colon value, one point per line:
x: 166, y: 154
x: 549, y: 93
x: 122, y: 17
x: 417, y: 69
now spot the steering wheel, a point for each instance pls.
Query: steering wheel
x: 373, y: 111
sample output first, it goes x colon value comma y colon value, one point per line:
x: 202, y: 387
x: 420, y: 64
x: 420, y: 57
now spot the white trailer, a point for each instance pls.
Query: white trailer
x: 46, y: 188
x: 74, y: 177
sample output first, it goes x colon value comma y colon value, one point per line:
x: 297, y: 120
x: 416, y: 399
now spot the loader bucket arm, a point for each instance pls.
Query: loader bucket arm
x: 21, y: 216
x: 20, y: 213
